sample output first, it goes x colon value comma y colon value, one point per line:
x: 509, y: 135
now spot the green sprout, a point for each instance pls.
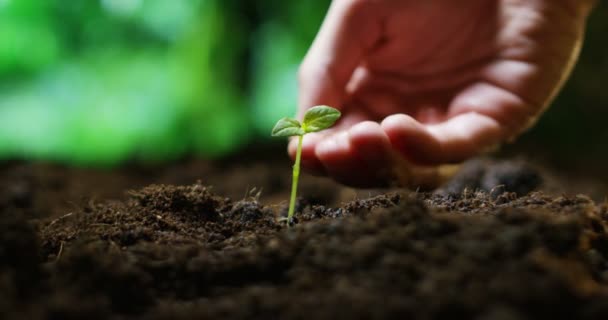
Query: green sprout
x: 315, y: 119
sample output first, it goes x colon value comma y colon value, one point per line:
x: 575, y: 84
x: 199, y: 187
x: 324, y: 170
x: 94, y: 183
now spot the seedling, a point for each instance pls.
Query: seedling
x: 315, y: 119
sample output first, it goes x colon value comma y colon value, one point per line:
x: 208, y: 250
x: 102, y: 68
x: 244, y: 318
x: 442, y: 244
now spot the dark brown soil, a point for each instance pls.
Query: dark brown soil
x: 488, y: 245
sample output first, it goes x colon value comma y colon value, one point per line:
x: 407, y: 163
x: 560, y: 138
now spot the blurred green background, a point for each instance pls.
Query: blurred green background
x: 99, y: 82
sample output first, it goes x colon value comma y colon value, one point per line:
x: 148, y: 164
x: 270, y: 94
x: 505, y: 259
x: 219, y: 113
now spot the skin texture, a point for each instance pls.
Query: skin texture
x: 425, y: 83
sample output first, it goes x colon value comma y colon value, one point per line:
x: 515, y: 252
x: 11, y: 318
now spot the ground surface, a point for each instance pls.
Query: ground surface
x: 489, y: 245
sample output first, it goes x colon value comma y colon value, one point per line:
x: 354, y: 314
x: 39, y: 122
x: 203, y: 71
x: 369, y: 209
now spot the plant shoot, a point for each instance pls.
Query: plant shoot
x: 315, y: 119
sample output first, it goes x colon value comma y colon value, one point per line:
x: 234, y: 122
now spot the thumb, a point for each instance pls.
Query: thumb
x: 349, y: 29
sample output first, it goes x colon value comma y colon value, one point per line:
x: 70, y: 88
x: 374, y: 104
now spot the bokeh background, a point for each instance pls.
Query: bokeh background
x: 101, y: 82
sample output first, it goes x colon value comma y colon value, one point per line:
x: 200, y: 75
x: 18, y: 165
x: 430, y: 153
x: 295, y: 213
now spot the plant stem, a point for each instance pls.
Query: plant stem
x: 294, y: 182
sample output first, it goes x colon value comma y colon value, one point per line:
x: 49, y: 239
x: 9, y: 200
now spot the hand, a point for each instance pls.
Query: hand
x: 426, y: 83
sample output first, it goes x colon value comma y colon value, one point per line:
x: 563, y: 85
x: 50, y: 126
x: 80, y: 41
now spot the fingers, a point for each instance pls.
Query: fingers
x: 359, y: 156
x: 309, y: 161
x: 348, y: 30
x: 371, y: 144
x: 452, y: 141
x: 512, y: 92
x: 362, y: 155
x: 339, y: 158
x: 511, y: 111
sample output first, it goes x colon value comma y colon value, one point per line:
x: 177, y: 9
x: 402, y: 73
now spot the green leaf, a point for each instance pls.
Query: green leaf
x: 320, y: 118
x: 287, y: 127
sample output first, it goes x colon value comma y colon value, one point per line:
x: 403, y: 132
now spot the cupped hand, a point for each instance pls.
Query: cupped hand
x: 425, y: 83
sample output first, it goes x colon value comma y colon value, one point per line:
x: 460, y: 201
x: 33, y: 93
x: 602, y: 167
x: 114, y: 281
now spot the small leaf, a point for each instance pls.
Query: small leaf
x: 320, y: 118
x: 287, y: 127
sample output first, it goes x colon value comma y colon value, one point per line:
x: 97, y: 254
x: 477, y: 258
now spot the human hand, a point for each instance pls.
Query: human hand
x: 422, y: 84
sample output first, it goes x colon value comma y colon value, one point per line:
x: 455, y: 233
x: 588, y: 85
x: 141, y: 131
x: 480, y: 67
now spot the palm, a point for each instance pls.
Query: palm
x: 471, y: 73
x: 429, y: 59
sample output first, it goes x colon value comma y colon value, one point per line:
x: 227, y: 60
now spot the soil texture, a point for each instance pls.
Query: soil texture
x: 500, y: 241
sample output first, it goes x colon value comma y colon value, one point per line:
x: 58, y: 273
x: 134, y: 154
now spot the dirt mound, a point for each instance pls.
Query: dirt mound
x: 182, y: 252
x: 482, y: 247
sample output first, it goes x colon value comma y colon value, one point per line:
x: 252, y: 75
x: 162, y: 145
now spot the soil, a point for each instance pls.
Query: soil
x: 502, y: 240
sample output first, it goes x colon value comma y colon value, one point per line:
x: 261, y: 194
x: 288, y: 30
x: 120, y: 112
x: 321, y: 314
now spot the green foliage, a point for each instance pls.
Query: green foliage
x: 315, y: 119
x: 101, y: 82
x: 319, y: 118
x: 27, y: 41
x: 287, y: 127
